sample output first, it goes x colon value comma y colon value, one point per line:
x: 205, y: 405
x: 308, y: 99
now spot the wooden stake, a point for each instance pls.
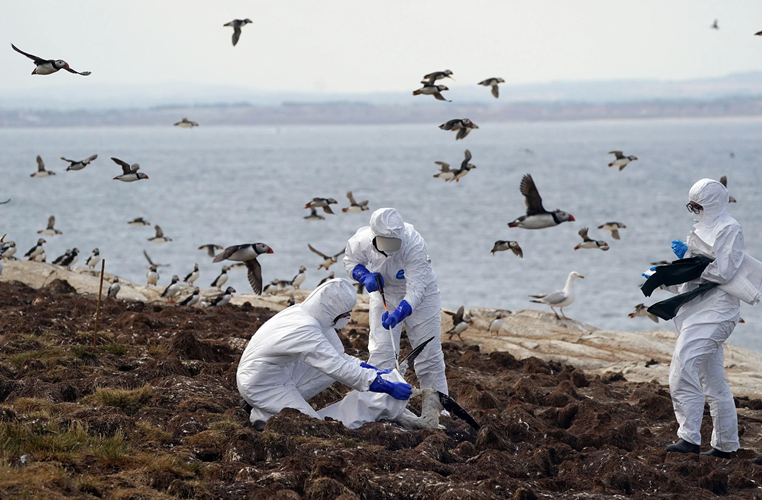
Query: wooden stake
x: 98, y: 307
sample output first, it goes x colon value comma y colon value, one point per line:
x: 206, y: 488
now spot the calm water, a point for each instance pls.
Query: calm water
x: 247, y: 184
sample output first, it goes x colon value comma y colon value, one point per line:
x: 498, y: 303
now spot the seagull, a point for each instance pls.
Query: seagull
x: 114, y: 289
x: 444, y: 172
x: 495, y: 325
x: 559, y: 298
x: 355, y: 207
x: 48, y: 66
x: 139, y: 221
x: 172, y: 290
x: 313, y: 216
x: 192, y: 276
x: 621, y: 160
x: 50, y: 230
x: 462, y: 125
x: 191, y: 299
x: 588, y: 243
x: 724, y: 182
x: 492, y: 82
x: 299, y: 278
x: 41, y: 172
x: 460, y: 322
x: 221, y: 279
x: 247, y: 253
x: 437, y: 75
x: 236, y: 24
x: 435, y: 90
x: 714, y: 25
x: 327, y: 278
x: 465, y: 167
x: 79, y: 164
x: 159, y: 238
x: 641, y: 310
x: 186, y: 123
x: 322, y: 203
x: 94, y: 259
x: 327, y: 261
x: 129, y: 173
x: 210, y: 248
x: 223, y: 299
x: 36, y: 250
x: 153, y: 275
x: 614, y: 227
x: 502, y: 245
x: 537, y: 217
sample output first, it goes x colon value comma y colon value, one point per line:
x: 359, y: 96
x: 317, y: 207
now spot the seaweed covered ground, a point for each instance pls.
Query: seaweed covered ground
x: 152, y: 412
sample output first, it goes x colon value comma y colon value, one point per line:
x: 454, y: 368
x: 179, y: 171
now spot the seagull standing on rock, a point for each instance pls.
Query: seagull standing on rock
x: 559, y: 298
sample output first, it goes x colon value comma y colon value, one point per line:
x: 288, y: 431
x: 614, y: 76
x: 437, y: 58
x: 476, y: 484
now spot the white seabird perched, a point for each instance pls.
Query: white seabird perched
x: 192, y: 299
x: 152, y: 277
x: 495, y: 325
x: 328, y: 261
x: 587, y: 242
x: 192, y: 276
x: 159, y: 238
x: 79, y: 164
x: 94, y: 259
x: 186, y: 123
x: 299, y: 278
x: 173, y: 289
x: 559, y: 298
x: 41, y: 172
x: 50, y: 230
x: 621, y: 160
x: 221, y: 279
x: 113, y: 290
x: 641, y: 310
x: 614, y: 227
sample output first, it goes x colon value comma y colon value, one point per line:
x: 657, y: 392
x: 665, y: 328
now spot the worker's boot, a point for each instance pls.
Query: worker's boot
x: 714, y: 452
x: 683, y: 446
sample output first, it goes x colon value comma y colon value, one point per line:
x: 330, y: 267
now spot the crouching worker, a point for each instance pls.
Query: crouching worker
x: 297, y: 354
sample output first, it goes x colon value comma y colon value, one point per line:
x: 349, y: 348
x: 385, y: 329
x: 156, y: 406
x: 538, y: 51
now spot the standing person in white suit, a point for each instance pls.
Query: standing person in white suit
x: 393, y: 251
x: 297, y: 354
x: 704, y: 324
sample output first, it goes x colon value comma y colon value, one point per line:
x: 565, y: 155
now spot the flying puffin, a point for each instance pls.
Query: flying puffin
x: 114, y: 289
x: 355, y: 207
x: 614, y: 227
x: 79, y: 164
x: 492, y: 82
x: 328, y: 261
x: 50, y: 230
x: 129, y: 173
x: 313, y: 216
x: 237, y: 24
x: 437, y: 75
x: 159, y: 238
x: 221, y: 279
x: 503, y: 245
x: 724, y: 182
x: 223, y: 299
x: 641, y: 310
x: 590, y: 243
x: 139, y: 221
x: 621, y: 160
x: 48, y: 66
x: 444, y: 172
x: 537, y: 217
x: 41, y: 172
x: 322, y: 203
x: 186, y: 123
x: 714, y: 25
x: 462, y: 125
x: 299, y: 278
x: 153, y: 275
x: 94, y: 259
x: 210, y: 249
x: 192, y: 276
x: 460, y: 323
x: 172, y: 290
x: 434, y: 90
x: 465, y: 167
x: 191, y: 299
x: 36, y: 250
x: 247, y: 253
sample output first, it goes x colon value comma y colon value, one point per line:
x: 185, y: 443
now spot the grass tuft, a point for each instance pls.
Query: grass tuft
x: 122, y: 398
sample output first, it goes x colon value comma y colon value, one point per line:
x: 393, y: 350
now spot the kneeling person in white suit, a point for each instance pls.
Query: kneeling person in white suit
x: 297, y: 354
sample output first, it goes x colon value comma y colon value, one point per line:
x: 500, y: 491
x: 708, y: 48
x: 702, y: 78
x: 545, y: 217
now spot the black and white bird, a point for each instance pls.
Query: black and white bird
x: 724, y: 182
x: 40, y: 257
x: 8, y: 250
x: 4, y: 202
x: 237, y: 24
x: 192, y: 299
x: 589, y: 243
x: 275, y: 286
x: 327, y: 278
x: 192, y: 276
x: 113, y: 290
x: 495, y: 325
x: 129, y: 172
x: 614, y: 227
x: 222, y: 278
x: 41, y: 172
x: 152, y: 263
x: 67, y: 260
x: 328, y: 260
x: 461, y: 125
x: 210, y: 249
x: 139, y: 221
x: 460, y: 322
x: 186, y: 123
x: 159, y: 238
x: 465, y: 167
x: 172, y: 290
x: 299, y: 278
x: 435, y: 90
x: 437, y: 75
x: 247, y: 253
x: 492, y: 82
x: 94, y: 259
x: 152, y: 278
x: 354, y: 206
x: 513, y: 246
x: 642, y: 310
x: 224, y: 299
x: 322, y: 203
x: 36, y: 250
x: 560, y: 298
x: 48, y: 66
x: 79, y: 164
x: 60, y: 258
x: 314, y: 216
x: 445, y: 172
x: 537, y: 217
x: 621, y: 160
x: 50, y: 230
x: 714, y: 25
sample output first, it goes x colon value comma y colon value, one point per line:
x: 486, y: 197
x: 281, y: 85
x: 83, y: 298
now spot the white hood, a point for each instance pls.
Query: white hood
x: 713, y: 196
x: 387, y: 222
x: 332, y: 298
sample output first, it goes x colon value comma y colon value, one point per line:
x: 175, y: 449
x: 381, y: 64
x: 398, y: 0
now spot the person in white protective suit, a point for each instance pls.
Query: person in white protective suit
x: 704, y: 323
x: 297, y: 354
x: 393, y: 252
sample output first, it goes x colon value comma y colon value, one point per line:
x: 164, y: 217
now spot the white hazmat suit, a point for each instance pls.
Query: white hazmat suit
x: 408, y: 276
x: 703, y: 324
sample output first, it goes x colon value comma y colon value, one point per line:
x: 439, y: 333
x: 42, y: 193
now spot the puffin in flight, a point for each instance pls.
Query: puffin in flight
x: 537, y: 217
x: 48, y: 66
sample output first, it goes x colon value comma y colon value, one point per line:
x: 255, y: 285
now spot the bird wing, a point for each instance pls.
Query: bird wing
x: 724, y: 180
x: 450, y: 405
x: 444, y: 166
x: 351, y: 199
x: 555, y: 297
x: 583, y: 232
x: 342, y: 251
x: 88, y: 160
x: 408, y: 360
x: 448, y: 125
x: 484, y: 82
x: 126, y: 169
x: 462, y: 133
x: 83, y: 73
x: 159, y: 232
x: 317, y: 252
x: 4, y: 202
x: 40, y: 164
x: 148, y: 258
x: 495, y: 91
x: 70, y: 161
x: 532, y: 197
x: 518, y: 251
x: 229, y: 251
x: 615, y: 234
x: 236, y: 34
x: 37, y: 60
x: 618, y: 154
x: 440, y: 97
x: 51, y: 222
x: 468, y: 159
x: 254, y: 275
x: 328, y: 210
x: 313, y: 212
x: 653, y: 317
x: 458, y: 316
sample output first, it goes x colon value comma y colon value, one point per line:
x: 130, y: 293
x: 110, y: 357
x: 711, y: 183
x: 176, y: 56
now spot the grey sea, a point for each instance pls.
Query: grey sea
x: 229, y: 185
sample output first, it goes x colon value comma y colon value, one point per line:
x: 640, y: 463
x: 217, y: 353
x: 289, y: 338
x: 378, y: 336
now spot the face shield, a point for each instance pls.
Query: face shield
x: 387, y: 245
x: 341, y: 321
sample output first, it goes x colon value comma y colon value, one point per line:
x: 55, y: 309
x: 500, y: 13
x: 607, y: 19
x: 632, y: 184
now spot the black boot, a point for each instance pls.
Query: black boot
x: 683, y: 446
x: 714, y: 452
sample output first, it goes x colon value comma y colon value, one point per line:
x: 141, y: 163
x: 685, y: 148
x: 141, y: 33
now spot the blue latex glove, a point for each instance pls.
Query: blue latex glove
x: 679, y: 248
x: 647, y: 276
x: 397, y: 390
x: 380, y: 372
x: 391, y: 320
x: 367, y: 278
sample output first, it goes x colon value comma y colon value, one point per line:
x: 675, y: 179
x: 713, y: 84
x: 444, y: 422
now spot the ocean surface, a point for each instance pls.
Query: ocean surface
x: 230, y: 185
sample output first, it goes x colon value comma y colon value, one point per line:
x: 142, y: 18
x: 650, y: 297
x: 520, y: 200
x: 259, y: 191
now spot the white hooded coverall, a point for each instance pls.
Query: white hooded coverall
x: 703, y: 324
x: 408, y: 275
x: 297, y: 354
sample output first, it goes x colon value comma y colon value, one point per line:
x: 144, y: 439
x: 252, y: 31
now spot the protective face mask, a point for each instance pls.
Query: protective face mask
x: 341, y: 324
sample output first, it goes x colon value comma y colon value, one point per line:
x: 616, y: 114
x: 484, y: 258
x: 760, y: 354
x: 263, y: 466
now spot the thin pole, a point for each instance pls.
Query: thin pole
x: 98, y: 307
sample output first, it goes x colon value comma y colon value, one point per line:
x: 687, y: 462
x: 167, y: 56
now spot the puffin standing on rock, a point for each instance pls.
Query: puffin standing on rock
x: 192, y: 276
x: 36, y: 250
x: 113, y: 290
x: 68, y: 260
x: 247, y: 253
x: 8, y: 250
x: 152, y: 278
x: 221, y: 279
x: 537, y: 217
x: 48, y: 66
x: 192, y: 299
x: 173, y: 289
x: 495, y: 325
x: 460, y: 322
x: 223, y: 299
x: 94, y: 259
x: 299, y: 278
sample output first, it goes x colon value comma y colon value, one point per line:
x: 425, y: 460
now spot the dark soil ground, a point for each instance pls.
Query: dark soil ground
x: 152, y: 412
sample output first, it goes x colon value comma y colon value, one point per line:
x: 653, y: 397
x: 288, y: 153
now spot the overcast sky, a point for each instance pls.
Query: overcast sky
x: 360, y: 46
